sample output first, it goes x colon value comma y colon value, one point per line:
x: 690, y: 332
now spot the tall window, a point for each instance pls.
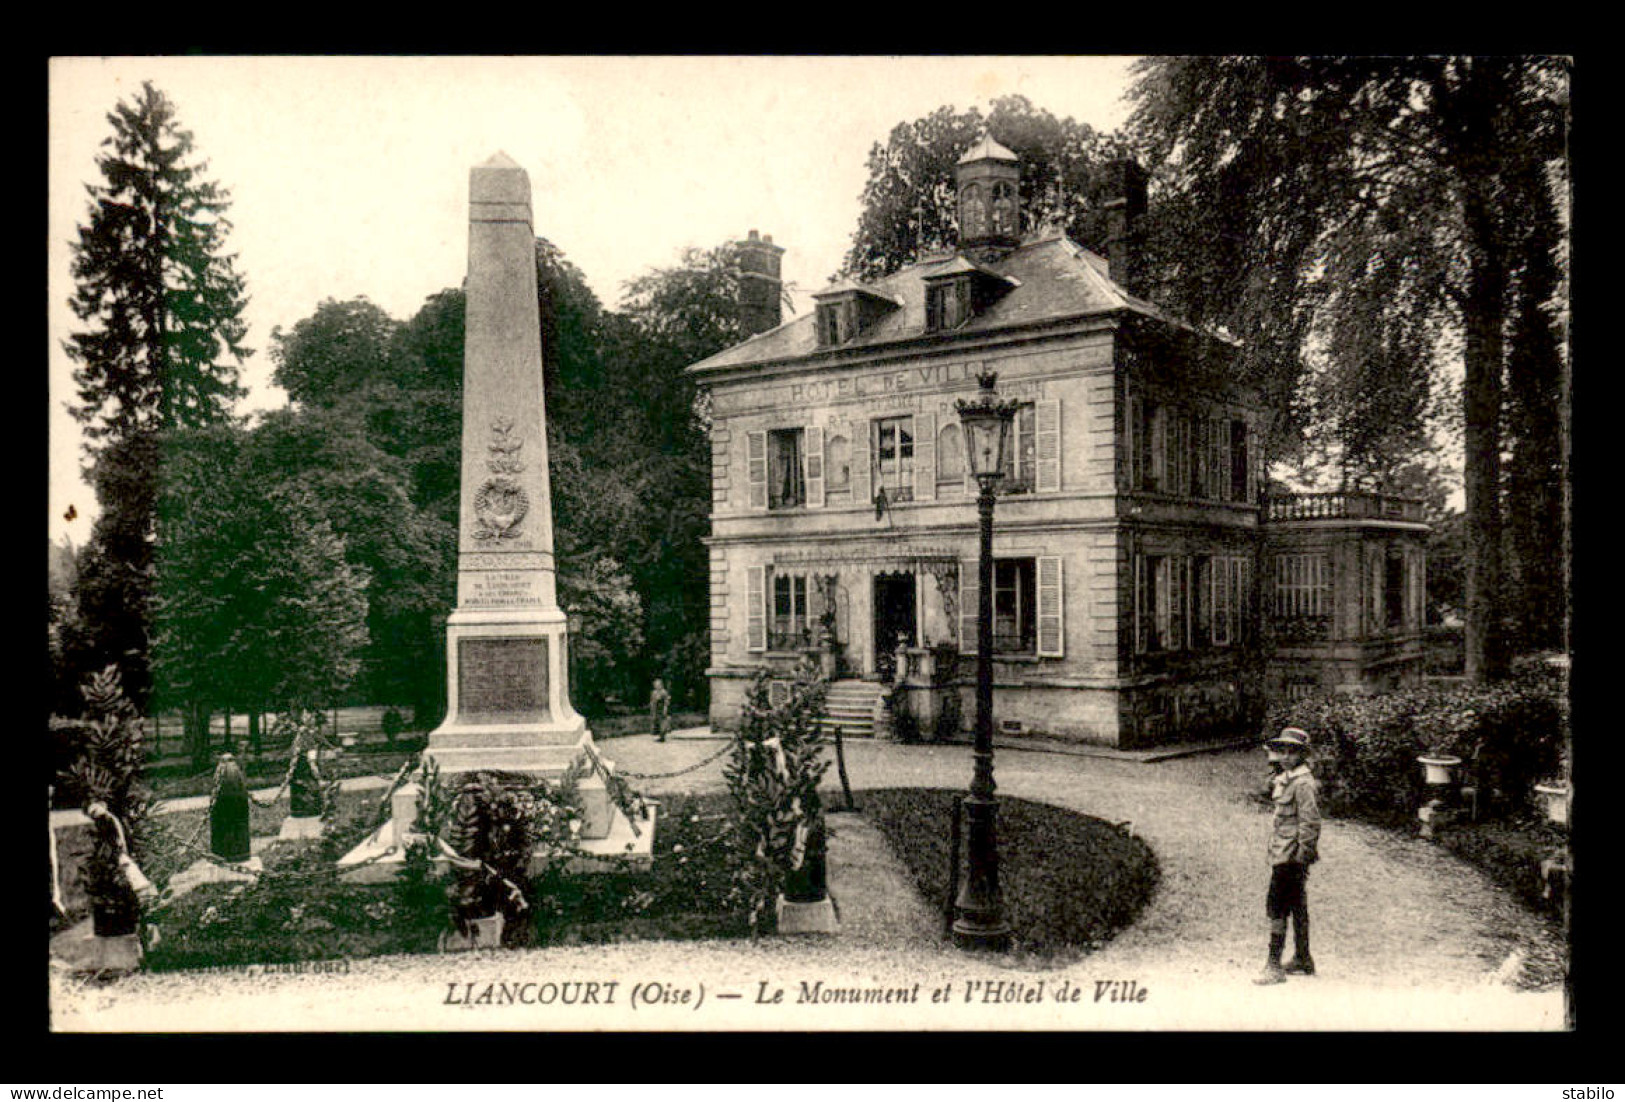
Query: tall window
x: 1303, y: 596
x: 1020, y: 454
x: 1150, y: 430
x: 1393, y: 587
x: 1161, y: 584
x: 786, y: 486
x: 893, y: 444
x: 1238, y: 461
x: 1228, y: 585
x: 790, y: 624
x: 1015, y: 606
x: 834, y: 321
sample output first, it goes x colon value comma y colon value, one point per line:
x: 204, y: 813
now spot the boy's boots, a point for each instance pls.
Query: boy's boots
x: 1301, y: 964
x: 1273, y: 972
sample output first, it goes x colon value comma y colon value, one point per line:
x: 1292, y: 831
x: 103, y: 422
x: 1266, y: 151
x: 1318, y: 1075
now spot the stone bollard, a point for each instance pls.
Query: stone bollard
x: 228, y: 816
x: 305, y: 787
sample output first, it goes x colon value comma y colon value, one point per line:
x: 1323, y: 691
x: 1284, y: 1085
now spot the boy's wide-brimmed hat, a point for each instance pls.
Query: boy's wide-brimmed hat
x: 1291, y: 736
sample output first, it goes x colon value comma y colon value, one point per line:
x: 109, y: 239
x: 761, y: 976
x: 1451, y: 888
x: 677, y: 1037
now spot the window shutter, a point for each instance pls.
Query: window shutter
x: 925, y: 456
x: 1131, y: 428
x: 756, y: 468
x: 969, y: 603
x: 812, y: 465
x: 1047, y: 445
x: 862, y: 447
x: 1139, y: 604
x: 1051, y: 605
x: 1255, y: 465
x: 756, y: 608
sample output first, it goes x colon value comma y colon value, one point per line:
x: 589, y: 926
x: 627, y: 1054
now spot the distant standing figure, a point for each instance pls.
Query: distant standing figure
x: 1294, y: 846
x: 305, y: 786
x: 228, y: 815
x: 659, y: 709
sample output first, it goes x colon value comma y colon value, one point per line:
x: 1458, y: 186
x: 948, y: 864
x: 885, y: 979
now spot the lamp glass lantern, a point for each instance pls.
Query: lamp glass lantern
x: 985, y: 421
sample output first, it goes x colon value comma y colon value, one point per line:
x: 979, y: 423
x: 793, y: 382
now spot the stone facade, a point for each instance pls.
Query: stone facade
x: 1129, y: 539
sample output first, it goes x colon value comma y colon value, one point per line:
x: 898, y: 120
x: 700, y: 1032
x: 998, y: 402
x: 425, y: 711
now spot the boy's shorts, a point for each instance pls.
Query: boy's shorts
x: 1286, y: 892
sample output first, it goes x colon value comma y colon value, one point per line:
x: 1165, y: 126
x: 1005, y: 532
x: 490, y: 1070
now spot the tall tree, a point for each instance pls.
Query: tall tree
x: 908, y: 201
x: 161, y: 350
x: 335, y: 351
x: 256, y: 606
x: 1360, y: 210
x: 151, y: 276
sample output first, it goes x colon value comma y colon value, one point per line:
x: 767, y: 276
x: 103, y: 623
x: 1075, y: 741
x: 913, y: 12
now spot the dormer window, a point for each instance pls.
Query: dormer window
x: 842, y: 313
x: 834, y: 323
x: 959, y: 290
x: 947, y: 303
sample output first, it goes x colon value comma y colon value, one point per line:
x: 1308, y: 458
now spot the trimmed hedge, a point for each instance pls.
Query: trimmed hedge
x: 1364, y: 746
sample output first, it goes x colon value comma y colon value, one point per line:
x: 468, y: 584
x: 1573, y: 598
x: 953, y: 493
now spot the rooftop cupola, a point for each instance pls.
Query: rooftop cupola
x: 988, y: 181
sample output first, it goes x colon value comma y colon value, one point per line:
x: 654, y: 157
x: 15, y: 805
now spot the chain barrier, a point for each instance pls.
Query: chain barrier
x: 726, y: 746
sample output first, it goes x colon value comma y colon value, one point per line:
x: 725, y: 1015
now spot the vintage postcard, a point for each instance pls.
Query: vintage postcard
x: 809, y: 543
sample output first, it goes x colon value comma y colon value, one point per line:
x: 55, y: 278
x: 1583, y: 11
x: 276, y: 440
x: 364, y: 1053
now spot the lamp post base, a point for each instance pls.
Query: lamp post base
x: 970, y: 932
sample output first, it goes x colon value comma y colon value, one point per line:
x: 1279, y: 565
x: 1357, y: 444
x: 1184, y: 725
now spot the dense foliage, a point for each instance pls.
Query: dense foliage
x: 256, y: 606
x: 1358, y: 223
x: 1364, y: 746
x: 908, y: 207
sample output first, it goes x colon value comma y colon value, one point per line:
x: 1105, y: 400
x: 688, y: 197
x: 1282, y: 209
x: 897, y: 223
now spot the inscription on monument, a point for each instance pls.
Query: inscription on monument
x: 499, y: 589
x: 502, y: 679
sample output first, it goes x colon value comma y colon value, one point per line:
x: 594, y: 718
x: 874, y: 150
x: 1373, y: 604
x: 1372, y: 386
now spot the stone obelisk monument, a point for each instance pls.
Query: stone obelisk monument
x: 508, y: 703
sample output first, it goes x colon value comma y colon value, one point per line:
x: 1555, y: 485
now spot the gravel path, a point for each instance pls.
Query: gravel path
x: 1406, y: 937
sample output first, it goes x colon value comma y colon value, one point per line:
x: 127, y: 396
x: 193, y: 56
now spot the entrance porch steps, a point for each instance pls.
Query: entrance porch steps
x: 850, y: 705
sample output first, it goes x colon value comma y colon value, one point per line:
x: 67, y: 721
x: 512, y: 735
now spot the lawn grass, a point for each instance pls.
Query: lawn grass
x: 1069, y: 881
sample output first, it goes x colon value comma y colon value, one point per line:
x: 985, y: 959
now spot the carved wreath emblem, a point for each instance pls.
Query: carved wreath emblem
x: 501, y: 503
x: 499, y: 506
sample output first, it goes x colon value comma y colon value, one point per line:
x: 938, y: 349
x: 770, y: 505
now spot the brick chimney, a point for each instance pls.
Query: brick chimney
x: 1125, y: 204
x: 761, y: 291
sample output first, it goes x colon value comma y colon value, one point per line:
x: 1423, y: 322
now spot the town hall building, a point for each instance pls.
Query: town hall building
x: 1145, y: 589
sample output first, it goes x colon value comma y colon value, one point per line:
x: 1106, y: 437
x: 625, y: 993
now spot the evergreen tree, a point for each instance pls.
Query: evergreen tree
x: 163, y: 299
x: 163, y: 305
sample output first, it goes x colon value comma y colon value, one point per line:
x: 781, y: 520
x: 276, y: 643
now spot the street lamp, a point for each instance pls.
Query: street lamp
x: 979, y: 910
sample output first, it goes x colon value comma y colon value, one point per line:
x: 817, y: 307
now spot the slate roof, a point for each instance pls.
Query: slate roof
x: 1052, y: 279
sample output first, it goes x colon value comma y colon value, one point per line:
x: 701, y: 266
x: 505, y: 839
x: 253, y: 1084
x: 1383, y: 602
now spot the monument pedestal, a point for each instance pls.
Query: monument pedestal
x: 507, y: 646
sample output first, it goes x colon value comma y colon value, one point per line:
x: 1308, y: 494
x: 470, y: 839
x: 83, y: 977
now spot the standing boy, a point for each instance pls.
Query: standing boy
x: 1294, y: 842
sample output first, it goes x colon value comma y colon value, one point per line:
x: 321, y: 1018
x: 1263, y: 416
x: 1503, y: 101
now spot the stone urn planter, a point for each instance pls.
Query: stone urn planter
x: 1440, y: 768
x: 1554, y: 795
